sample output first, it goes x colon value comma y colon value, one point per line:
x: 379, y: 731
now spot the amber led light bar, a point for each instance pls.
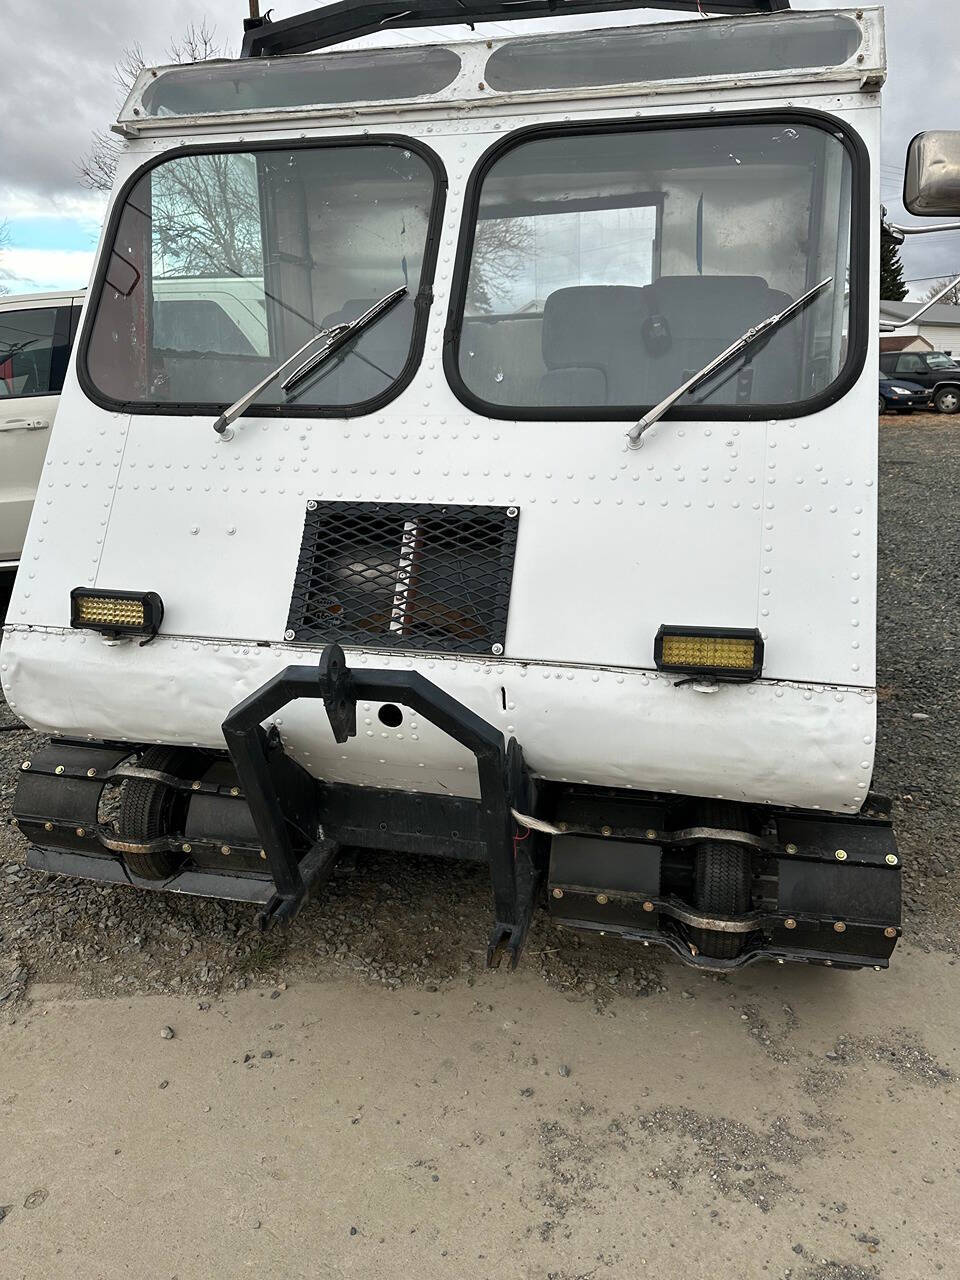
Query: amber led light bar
x: 116, y: 613
x: 726, y: 653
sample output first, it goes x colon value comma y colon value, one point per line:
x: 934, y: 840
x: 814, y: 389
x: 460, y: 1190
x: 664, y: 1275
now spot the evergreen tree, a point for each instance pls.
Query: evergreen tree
x: 892, y: 287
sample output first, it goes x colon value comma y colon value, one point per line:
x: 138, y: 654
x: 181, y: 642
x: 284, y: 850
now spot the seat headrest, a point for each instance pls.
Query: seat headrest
x: 583, y: 325
x: 693, y: 297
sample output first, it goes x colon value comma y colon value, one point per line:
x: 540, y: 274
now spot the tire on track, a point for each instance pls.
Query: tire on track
x: 722, y: 888
x: 150, y: 810
x: 723, y: 875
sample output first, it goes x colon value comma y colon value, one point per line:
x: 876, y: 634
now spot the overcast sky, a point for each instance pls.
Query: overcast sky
x: 58, y: 87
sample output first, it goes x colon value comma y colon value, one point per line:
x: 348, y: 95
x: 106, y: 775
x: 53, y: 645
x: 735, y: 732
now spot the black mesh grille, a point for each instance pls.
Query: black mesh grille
x: 412, y: 577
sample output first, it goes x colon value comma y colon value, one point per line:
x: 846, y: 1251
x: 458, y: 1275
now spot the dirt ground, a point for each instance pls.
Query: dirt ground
x: 181, y: 1098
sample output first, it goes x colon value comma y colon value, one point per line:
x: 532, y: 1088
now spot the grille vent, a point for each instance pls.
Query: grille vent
x: 409, y: 577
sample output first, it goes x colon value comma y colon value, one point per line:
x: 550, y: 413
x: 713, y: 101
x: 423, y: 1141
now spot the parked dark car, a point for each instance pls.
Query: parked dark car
x: 902, y: 396
x: 935, y: 370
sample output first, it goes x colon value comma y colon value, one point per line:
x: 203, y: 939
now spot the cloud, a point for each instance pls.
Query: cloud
x: 64, y: 87
x: 39, y: 270
x: 83, y: 207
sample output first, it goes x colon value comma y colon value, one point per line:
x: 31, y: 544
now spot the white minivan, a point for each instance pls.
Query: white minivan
x: 36, y: 335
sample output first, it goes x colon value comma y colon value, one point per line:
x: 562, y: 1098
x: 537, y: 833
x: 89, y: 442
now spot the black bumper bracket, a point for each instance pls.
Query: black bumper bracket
x: 504, y: 785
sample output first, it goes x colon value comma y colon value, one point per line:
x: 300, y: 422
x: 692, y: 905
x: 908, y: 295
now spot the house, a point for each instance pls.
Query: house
x: 937, y: 330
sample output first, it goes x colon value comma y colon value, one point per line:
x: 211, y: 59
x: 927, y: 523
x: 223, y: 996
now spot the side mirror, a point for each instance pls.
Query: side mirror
x: 932, y: 185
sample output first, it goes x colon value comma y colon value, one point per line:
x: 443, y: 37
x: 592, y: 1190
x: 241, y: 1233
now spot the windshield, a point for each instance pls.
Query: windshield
x: 223, y: 265
x: 936, y: 360
x: 609, y: 266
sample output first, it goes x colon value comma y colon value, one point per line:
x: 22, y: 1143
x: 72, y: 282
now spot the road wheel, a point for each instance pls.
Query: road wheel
x: 149, y: 810
x: 883, y: 405
x: 722, y: 888
x: 947, y: 400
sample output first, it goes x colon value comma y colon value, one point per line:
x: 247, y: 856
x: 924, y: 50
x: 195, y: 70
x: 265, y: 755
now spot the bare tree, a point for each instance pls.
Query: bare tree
x: 206, y: 217
x: 199, y: 43
x: 501, y: 249
x: 4, y: 244
x: 951, y: 299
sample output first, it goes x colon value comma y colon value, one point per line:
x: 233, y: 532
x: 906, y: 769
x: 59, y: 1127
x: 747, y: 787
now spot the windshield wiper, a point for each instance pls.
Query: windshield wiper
x: 333, y: 338
x: 341, y: 333
x: 247, y: 399
x: 768, y: 326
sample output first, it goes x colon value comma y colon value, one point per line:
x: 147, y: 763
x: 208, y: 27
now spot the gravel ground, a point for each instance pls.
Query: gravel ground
x: 918, y: 761
x: 426, y: 924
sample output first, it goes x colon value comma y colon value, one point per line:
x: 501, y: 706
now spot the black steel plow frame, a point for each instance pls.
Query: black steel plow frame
x: 334, y: 23
x: 504, y: 784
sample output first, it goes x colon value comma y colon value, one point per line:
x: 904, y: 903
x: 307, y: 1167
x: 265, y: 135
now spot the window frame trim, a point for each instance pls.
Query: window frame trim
x: 422, y: 302
x: 860, y: 246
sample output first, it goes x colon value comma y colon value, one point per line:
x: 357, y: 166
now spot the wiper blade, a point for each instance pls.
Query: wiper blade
x: 340, y: 334
x: 7, y: 353
x: 768, y: 326
x: 333, y: 338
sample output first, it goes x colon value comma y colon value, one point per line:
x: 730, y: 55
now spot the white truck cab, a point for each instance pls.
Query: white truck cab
x: 36, y: 334
x: 534, y: 521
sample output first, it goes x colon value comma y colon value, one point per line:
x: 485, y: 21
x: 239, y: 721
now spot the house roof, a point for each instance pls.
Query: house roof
x: 941, y: 314
x: 901, y: 344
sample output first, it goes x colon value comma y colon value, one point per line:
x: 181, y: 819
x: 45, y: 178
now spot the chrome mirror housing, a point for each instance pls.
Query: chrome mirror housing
x: 932, y: 184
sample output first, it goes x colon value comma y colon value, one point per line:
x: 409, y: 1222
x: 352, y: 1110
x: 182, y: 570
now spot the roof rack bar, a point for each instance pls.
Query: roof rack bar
x: 348, y: 19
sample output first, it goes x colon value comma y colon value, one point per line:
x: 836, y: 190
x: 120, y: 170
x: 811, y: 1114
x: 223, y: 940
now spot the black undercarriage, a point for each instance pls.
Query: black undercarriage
x: 721, y: 885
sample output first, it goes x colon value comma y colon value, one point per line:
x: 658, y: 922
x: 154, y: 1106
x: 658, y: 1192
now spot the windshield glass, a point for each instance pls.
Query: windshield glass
x: 936, y: 360
x: 225, y: 263
x: 609, y: 266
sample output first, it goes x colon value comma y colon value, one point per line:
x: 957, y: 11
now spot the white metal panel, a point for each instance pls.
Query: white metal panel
x: 818, y: 579
x: 804, y: 745
x: 609, y: 545
x: 612, y: 542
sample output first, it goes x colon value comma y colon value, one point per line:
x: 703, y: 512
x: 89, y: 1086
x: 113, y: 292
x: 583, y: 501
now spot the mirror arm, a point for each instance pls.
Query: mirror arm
x: 920, y: 231
x: 887, y: 326
x: 898, y: 234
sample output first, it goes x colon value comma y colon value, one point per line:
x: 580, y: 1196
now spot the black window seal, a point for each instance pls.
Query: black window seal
x: 422, y: 302
x: 76, y: 310
x: 859, y: 321
x: 60, y: 352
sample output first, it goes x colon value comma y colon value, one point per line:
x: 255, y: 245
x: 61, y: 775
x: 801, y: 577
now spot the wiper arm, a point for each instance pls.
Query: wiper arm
x: 768, y: 326
x: 332, y: 338
x: 7, y: 353
x: 247, y: 399
x: 340, y: 334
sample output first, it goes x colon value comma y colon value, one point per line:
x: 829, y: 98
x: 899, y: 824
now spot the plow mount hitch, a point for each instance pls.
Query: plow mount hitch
x: 278, y: 790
